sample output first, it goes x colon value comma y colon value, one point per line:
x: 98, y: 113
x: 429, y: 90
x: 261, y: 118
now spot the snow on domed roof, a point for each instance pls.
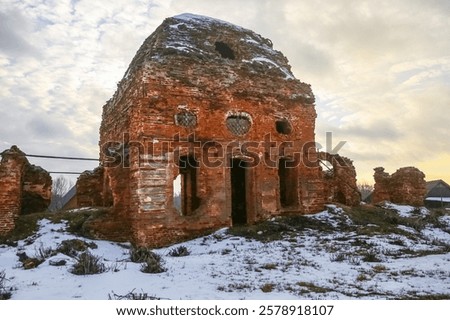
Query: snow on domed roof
x: 203, y: 38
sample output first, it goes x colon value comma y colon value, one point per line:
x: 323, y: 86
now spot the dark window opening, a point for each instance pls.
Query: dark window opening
x: 288, y: 183
x: 238, y: 124
x: 188, y: 194
x: 283, y: 126
x: 186, y: 119
x: 238, y: 192
x: 224, y: 50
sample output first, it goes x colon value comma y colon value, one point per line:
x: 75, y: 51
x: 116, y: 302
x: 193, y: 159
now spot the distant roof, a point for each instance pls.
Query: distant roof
x: 438, y: 188
x: 69, y: 195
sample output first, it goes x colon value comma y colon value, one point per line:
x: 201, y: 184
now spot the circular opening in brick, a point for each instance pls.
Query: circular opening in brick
x: 239, y: 124
x: 186, y: 119
x: 283, y: 126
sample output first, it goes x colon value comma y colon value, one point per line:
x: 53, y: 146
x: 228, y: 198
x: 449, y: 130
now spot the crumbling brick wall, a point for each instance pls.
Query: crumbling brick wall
x: 90, y: 189
x: 340, y: 180
x: 36, y: 189
x: 11, y: 174
x: 220, y: 99
x: 406, y: 186
x: 24, y: 188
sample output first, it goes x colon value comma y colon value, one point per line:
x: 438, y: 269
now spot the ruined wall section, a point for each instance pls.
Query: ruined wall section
x: 24, y: 188
x: 11, y: 174
x: 382, y: 190
x: 37, y: 189
x: 90, y: 188
x: 340, y: 182
x: 405, y: 186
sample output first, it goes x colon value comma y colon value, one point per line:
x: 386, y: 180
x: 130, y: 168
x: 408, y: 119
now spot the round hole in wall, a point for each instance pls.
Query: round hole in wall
x: 283, y: 126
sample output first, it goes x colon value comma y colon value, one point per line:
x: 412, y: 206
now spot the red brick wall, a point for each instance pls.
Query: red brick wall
x: 405, y: 186
x: 141, y: 119
x: 11, y: 173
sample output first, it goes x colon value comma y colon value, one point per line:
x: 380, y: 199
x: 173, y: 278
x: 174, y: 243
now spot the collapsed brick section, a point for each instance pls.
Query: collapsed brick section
x: 340, y: 180
x: 24, y: 188
x: 213, y: 110
x: 90, y: 189
x: 406, y: 186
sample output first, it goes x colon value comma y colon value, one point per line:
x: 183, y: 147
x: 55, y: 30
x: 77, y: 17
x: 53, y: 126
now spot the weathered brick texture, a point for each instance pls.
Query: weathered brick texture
x: 90, y: 189
x: 405, y: 186
x: 24, y: 188
x: 340, y: 180
x: 214, y: 105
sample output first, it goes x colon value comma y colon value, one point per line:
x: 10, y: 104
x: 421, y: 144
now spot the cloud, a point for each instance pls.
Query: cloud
x: 14, y: 28
x: 379, y: 70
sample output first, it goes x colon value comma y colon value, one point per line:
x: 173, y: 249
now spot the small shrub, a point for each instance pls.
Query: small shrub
x: 4, y: 293
x: 140, y: 254
x: 361, y: 277
x: 269, y: 266
x: 268, y: 287
x: 180, y: 251
x: 87, y: 263
x: 239, y: 286
x: 153, y: 264
x: 312, y: 287
x: 338, y: 257
x: 132, y: 296
x: 379, y: 268
x: 225, y: 251
x: 72, y: 247
x: 371, y: 256
x: 42, y: 253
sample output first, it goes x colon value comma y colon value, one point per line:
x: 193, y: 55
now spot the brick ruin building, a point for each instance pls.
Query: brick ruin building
x: 213, y: 107
x: 24, y: 188
x: 405, y: 186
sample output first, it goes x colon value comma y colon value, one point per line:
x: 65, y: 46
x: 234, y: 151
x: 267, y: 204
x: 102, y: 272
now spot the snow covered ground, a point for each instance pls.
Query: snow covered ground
x: 334, y: 260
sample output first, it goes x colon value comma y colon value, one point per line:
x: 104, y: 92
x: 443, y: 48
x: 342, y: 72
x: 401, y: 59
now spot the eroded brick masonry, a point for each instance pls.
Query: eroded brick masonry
x: 24, y: 188
x: 212, y: 110
x: 405, y: 186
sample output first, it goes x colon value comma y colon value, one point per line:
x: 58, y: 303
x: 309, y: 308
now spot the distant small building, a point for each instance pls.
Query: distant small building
x: 438, y: 194
x: 69, y: 200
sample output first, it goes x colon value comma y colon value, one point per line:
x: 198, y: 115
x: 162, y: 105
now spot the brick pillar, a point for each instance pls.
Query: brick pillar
x: 11, y: 174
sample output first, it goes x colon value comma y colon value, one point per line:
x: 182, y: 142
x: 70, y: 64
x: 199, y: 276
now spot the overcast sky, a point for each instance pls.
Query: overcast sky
x: 380, y: 71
